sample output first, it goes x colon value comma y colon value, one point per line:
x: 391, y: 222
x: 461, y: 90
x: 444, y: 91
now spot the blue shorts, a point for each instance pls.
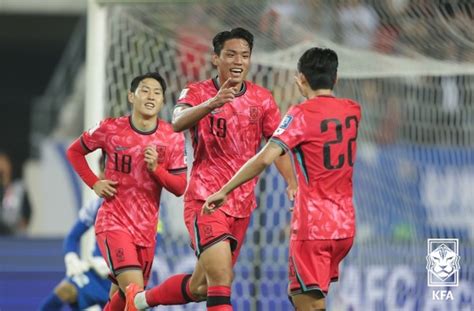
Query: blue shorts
x: 91, y: 289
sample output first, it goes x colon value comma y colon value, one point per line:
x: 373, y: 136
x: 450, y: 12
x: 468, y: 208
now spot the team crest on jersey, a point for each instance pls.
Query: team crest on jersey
x: 161, y: 150
x: 207, y: 231
x: 253, y: 114
x: 120, y: 254
x: 283, y: 125
x: 183, y: 93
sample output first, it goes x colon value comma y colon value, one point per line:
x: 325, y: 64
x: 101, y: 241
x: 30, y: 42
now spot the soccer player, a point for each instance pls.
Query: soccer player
x: 227, y: 117
x: 144, y: 155
x: 86, y: 282
x: 321, y: 133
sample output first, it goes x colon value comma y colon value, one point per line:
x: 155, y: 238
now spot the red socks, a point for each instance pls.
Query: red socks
x: 117, y: 303
x: 218, y: 298
x: 173, y: 291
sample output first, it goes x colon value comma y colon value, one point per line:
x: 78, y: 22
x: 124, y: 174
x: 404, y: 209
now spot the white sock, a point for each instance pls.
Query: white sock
x: 140, y: 301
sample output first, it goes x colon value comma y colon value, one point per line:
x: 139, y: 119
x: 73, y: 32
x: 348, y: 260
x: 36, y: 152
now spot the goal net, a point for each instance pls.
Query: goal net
x: 411, y: 66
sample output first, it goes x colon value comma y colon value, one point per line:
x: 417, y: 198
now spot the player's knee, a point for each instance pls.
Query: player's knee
x: 220, y: 276
x: 199, y: 291
x: 66, y: 292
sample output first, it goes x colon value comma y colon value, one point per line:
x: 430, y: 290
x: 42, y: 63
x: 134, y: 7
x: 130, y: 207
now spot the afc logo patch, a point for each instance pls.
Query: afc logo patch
x: 120, y: 254
x: 253, y: 114
x: 283, y: 125
x: 161, y: 150
x: 207, y: 231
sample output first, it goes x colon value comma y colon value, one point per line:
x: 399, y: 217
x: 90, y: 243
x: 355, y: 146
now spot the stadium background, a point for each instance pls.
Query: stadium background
x: 409, y: 63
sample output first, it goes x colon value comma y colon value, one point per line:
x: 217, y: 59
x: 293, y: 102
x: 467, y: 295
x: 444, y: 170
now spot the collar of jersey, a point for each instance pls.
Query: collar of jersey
x: 143, y: 132
x: 242, y: 91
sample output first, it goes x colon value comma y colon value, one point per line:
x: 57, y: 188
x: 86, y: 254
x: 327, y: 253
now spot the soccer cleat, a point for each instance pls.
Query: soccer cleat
x: 130, y: 292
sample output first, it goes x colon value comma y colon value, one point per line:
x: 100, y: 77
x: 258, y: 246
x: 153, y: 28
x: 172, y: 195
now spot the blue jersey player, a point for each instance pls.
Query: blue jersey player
x: 86, y: 282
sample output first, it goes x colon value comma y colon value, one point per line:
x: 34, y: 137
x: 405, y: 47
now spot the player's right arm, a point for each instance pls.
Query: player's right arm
x: 186, y: 116
x: 76, y: 154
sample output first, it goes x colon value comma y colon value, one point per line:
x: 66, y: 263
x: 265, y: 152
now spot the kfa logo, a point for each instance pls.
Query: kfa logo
x: 443, y: 266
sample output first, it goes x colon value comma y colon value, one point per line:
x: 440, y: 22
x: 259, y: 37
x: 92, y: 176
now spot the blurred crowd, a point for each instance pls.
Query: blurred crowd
x: 435, y: 29
x: 423, y: 109
x: 15, y: 209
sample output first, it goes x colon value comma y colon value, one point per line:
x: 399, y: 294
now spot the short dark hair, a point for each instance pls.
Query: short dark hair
x: 154, y: 75
x: 319, y: 66
x: 235, y: 33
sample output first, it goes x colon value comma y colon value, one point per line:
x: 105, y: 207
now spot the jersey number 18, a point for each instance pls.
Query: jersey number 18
x: 123, y: 163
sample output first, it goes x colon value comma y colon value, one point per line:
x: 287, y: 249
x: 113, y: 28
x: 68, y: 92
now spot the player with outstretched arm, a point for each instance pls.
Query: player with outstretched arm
x: 321, y: 134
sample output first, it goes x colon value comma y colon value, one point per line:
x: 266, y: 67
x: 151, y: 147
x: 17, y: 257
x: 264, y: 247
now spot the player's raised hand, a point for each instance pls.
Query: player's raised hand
x: 105, y: 188
x: 226, y: 94
x: 151, y: 157
x: 213, y: 202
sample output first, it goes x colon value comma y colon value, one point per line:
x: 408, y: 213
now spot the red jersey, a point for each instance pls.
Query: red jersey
x: 321, y: 133
x: 226, y: 138
x: 135, y: 206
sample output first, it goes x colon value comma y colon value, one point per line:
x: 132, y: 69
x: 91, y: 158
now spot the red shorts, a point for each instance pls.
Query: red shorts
x: 314, y: 264
x: 122, y: 254
x: 207, y: 230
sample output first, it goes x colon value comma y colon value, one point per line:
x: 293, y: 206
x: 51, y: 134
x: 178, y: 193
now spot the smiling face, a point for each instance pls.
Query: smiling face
x: 147, y: 100
x: 233, y: 61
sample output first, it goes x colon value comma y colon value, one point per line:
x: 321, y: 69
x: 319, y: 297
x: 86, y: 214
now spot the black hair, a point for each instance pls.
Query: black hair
x: 319, y: 66
x: 235, y: 33
x: 154, y: 75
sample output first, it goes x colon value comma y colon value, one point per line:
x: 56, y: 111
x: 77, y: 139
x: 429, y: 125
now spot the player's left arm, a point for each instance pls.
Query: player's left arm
x: 173, y: 180
x: 271, y: 121
x: 174, y: 183
x: 283, y: 164
x: 249, y: 170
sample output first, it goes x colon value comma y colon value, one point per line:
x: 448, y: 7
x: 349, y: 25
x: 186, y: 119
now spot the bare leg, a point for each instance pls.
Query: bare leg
x: 198, y: 283
x: 311, y: 301
x: 130, y: 276
x: 216, y: 261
